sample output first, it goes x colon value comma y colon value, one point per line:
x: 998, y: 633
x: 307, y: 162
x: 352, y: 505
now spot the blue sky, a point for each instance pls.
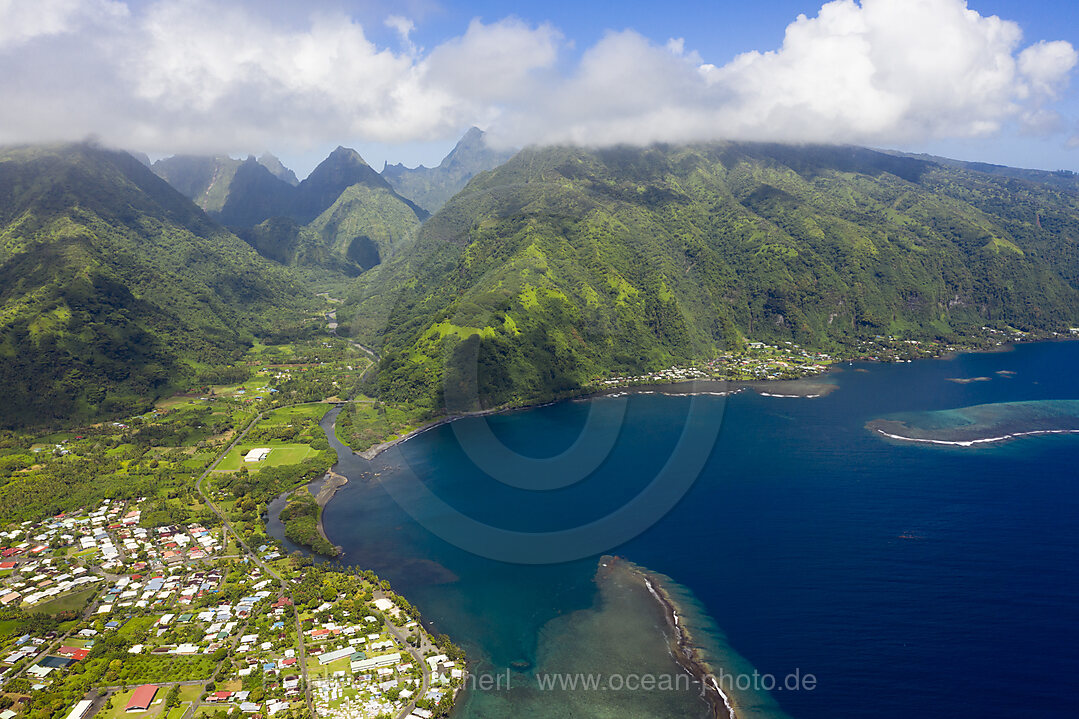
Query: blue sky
x: 401, y: 81
x: 721, y: 30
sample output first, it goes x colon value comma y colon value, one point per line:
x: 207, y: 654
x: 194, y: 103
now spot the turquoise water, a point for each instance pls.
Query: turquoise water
x: 941, y: 581
x: 982, y: 423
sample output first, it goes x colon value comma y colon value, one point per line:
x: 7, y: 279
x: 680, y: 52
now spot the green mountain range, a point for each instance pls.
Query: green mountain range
x: 115, y: 288
x: 432, y: 187
x: 343, y: 218
x: 564, y: 264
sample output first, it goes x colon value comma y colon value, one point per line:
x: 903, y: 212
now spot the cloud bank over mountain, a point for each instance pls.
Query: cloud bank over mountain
x: 196, y: 76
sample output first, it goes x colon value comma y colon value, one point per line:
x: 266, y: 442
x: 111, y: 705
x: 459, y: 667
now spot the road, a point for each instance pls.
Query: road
x: 417, y: 654
x: 285, y: 589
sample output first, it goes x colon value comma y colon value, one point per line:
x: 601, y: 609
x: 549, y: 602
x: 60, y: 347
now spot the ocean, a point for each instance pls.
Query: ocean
x: 904, y: 578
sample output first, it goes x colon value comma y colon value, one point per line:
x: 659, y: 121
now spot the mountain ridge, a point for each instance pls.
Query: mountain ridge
x: 568, y: 263
x: 260, y: 203
x: 115, y: 288
x: 432, y: 187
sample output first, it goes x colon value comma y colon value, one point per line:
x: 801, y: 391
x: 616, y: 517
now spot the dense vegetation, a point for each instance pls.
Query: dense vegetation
x: 300, y: 518
x: 565, y: 264
x: 115, y: 289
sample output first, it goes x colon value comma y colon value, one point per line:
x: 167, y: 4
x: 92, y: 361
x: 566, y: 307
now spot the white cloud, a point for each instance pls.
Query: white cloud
x: 403, y: 26
x: 493, y: 63
x: 1046, y: 65
x: 195, y: 75
x: 22, y: 21
x: 880, y: 71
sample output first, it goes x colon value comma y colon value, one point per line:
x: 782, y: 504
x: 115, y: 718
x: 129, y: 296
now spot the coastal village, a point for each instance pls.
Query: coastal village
x: 138, y: 577
x: 164, y: 596
x: 184, y: 623
x: 760, y: 361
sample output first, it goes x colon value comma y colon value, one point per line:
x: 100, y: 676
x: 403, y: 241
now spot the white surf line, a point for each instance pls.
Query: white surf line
x: 972, y: 442
x: 681, y: 637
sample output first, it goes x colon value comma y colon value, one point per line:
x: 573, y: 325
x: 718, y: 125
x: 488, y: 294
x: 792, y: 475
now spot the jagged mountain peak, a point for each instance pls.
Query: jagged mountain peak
x: 278, y: 169
x: 432, y: 187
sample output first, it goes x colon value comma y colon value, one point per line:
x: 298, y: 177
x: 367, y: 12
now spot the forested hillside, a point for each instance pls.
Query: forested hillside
x: 114, y: 288
x: 567, y: 263
x: 343, y: 218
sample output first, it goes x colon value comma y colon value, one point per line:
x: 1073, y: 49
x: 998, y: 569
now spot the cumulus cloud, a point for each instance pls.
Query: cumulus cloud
x: 195, y: 75
x: 878, y: 71
x: 22, y: 21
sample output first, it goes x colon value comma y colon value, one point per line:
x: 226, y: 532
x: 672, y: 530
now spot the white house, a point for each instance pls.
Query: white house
x: 257, y: 454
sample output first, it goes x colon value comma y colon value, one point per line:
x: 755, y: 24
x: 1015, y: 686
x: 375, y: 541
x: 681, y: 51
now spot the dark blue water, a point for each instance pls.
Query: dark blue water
x: 907, y: 579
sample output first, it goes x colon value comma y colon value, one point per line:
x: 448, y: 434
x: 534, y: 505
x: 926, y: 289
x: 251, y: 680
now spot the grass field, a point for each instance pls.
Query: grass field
x: 73, y: 602
x: 120, y: 700
x: 280, y: 453
x: 250, y: 388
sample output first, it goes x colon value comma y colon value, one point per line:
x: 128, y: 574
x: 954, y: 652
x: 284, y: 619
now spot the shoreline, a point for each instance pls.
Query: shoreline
x: 820, y: 388
x: 809, y: 389
x: 681, y: 642
x: 332, y: 482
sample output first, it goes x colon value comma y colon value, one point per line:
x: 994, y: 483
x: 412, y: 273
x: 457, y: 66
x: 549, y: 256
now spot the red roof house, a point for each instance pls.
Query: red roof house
x: 142, y: 698
x: 76, y: 653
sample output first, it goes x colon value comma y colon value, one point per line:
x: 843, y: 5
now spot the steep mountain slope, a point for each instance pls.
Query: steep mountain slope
x: 114, y: 287
x: 566, y: 263
x: 254, y: 195
x: 343, y: 218
x: 207, y: 180
x: 432, y: 187
x: 278, y: 169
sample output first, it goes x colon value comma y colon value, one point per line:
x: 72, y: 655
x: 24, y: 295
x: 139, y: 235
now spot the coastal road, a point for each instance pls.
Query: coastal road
x: 400, y: 635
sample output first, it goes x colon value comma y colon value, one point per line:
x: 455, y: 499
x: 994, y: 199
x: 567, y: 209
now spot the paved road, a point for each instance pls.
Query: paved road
x: 417, y: 654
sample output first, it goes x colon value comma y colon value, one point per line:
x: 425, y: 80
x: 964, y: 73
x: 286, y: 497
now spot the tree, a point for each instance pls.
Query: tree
x: 172, y: 699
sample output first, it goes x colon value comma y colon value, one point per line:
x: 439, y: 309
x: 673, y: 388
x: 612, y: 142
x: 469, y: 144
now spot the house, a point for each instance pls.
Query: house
x: 335, y: 655
x: 142, y: 698
x: 76, y: 653
x: 257, y: 455
x: 361, y: 664
x: 80, y: 709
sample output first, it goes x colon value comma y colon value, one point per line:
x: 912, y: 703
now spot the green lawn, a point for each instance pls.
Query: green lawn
x: 251, y: 387
x: 322, y: 671
x: 280, y: 453
x: 135, y: 625
x: 73, y: 602
x: 120, y: 700
x: 120, y: 449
